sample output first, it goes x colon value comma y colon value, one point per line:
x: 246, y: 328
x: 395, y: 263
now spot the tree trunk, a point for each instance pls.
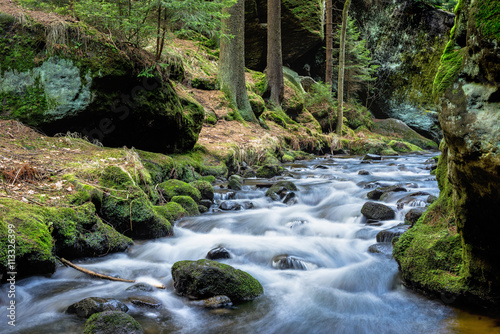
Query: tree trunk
x: 340, y: 110
x: 329, y: 43
x: 274, y: 55
x: 231, y: 75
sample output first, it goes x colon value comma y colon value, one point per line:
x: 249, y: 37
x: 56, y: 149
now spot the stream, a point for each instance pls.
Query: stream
x: 337, y: 286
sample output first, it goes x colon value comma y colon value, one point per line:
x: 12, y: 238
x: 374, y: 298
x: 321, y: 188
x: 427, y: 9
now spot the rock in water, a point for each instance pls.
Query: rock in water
x: 205, y: 278
x: 413, y: 215
x: 377, y: 211
x: 112, y: 322
x: 289, y: 262
x: 88, y: 306
x: 218, y: 253
x: 386, y: 236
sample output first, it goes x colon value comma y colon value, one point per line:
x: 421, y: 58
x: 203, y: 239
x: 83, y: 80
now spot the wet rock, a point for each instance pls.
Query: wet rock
x: 431, y: 199
x: 205, y: 188
x: 320, y: 167
x: 380, y: 191
x: 146, y: 301
x: 247, y: 205
x: 218, y: 253
x: 215, y: 302
x: 289, y: 262
x: 372, y: 157
x: 112, y: 322
x: 141, y: 287
x: 280, y: 189
x: 269, y: 171
x: 377, y: 211
x: 381, y: 248
x: 88, y: 306
x: 206, y: 203
x: 413, y: 215
x: 235, y: 182
x: 414, y: 199
x: 205, y: 278
x: 364, y: 172
x: 373, y: 222
x: 230, y: 205
x: 390, y: 234
x: 290, y: 199
x: 202, y: 209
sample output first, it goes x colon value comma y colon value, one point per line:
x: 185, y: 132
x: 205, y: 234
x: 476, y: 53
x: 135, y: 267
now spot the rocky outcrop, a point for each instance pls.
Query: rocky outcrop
x: 75, y: 81
x: 408, y: 60
x: 468, y: 171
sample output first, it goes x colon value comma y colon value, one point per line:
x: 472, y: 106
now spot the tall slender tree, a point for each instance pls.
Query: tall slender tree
x: 231, y: 74
x: 340, y: 96
x: 329, y: 43
x: 274, y: 70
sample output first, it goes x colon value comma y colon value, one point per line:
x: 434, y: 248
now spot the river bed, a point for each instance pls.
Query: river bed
x: 342, y: 287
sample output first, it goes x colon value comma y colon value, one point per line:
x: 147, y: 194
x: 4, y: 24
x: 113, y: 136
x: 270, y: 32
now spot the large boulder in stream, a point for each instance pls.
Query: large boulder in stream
x: 112, y: 322
x: 85, y: 84
x: 377, y: 211
x: 204, y: 279
x: 454, y: 248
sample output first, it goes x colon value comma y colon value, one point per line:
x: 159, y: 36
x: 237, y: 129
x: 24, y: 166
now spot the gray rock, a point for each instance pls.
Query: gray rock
x: 218, y: 253
x: 146, y: 301
x: 377, y: 211
x: 390, y: 234
x: 413, y: 215
x: 88, y: 306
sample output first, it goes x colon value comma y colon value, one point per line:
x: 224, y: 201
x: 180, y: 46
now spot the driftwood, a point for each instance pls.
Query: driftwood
x: 111, y: 278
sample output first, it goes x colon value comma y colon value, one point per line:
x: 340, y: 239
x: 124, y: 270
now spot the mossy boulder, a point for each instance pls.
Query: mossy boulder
x: 187, y: 204
x: 235, y: 182
x: 89, y: 86
x: 91, y: 305
x: 205, y: 188
x: 171, y: 211
x: 269, y: 171
x: 128, y: 209
x: 205, y: 278
x: 79, y: 232
x: 173, y: 188
x: 25, y: 239
x: 396, y: 128
x: 112, y: 322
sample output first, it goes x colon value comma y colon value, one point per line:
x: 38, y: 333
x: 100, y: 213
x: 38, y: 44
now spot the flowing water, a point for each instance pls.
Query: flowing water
x: 336, y: 286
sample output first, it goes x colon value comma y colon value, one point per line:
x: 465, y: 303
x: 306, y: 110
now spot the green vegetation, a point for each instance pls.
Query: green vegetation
x: 487, y: 15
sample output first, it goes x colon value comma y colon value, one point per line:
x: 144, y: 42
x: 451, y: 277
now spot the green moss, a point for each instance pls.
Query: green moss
x: 188, y: 204
x: 205, y: 188
x: 171, y: 211
x: 451, y: 61
x: 173, y: 188
x: 33, y: 241
x: 269, y: 171
x: 257, y: 103
x: 487, y: 15
x: 307, y: 12
x: 287, y: 158
x: 403, y: 147
x: 110, y: 322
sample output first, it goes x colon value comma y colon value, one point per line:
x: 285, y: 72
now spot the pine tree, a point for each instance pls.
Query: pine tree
x: 340, y: 109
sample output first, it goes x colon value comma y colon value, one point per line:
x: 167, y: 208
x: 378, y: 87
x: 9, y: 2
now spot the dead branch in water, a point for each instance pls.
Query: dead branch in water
x: 111, y: 278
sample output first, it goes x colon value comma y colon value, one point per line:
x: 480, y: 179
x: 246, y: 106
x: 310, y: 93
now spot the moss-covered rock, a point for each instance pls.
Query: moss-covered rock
x: 396, y: 128
x: 188, y: 204
x: 87, y: 85
x: 25, y: 239
x: 127, y: 208
x: 112, y: 322
x: 205, y: 278
x: 171, y: 211
x: 269, y: 171
x: 279, y: 188
x: 205, y: 188
x: 79, y: 232
x: 235, y: 182
x: 173, y: 188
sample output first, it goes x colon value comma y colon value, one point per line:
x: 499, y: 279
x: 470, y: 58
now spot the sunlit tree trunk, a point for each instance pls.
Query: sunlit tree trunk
x: 231, y: 75
x: 274, y: 54
x: 340, y: 97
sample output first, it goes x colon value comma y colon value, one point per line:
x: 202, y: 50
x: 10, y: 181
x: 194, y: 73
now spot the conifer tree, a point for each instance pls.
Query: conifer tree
x: 274, y: 70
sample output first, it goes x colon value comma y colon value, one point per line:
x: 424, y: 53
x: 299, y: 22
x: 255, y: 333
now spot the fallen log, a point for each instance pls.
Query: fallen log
x: 111, y: 278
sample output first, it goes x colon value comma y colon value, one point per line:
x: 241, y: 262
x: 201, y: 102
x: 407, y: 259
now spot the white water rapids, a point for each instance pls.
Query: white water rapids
x: 346, y: 289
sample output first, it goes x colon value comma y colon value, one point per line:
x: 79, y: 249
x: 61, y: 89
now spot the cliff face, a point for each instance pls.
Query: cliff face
x: 468, y: 82
x: 470, y: 119
x: 66, y: 77
x: 406, y: 38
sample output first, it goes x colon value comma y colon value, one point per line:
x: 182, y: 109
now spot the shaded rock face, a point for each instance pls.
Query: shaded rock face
x: 300, y: 19
x: 89, y: 306
x: 100, y: 96
x: 408, y: 59
x: 470, y: 119
x: 377, y: 211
